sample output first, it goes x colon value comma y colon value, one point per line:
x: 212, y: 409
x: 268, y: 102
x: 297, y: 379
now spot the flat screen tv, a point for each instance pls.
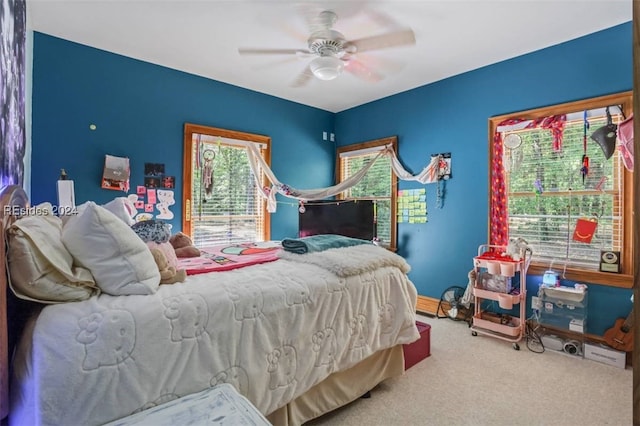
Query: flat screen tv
x: 349, y: 218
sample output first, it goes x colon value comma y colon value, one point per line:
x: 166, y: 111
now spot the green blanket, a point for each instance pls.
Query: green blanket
x: 317, y: 243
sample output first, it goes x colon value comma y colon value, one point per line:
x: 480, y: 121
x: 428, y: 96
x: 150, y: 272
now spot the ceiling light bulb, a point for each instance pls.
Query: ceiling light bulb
x: 326, y: 67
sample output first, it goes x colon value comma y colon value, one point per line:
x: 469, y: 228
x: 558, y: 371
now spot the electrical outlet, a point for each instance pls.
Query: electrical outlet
x: 536, y: 303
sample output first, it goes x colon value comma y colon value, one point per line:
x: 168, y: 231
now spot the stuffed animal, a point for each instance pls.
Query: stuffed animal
x: 124, y: 208
x: 517, y: 248
x: 168, y: 274
x: 183, y: 245
x: 167, y: 250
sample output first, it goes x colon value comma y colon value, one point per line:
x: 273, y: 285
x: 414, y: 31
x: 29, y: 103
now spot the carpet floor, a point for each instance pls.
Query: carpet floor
x: 480, y: 380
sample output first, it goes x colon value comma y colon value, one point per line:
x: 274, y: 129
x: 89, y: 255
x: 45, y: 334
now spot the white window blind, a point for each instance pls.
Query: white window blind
x: 547, y: 194
x: 231, y: 210
x: 376, y: 185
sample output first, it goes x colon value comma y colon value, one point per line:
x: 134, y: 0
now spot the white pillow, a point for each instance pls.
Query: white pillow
x: 40, y: 267
x: 119, y: 260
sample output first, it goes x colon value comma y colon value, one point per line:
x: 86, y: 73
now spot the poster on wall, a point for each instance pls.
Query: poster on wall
x: 165, y: 201
x: 116, y: 173
x: 12, y: 82
x: 169, y: 182
x: 158, y: 191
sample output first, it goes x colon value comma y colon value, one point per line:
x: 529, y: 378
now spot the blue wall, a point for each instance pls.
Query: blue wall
x: 139, y: 110
x: 452, y: 116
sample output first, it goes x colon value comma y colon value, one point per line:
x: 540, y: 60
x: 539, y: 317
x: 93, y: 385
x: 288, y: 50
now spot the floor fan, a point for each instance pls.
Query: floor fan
x: 451, y: 306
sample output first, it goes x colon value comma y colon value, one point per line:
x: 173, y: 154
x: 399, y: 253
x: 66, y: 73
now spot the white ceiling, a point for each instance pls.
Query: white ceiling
x: 203, y: 37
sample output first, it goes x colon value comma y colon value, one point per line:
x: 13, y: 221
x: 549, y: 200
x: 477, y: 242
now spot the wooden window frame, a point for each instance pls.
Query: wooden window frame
x: 187, y: 185
x: 393, y: 142
x: 625, y: 278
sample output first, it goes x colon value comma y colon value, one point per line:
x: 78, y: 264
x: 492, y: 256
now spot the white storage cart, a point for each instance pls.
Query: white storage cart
x: 495, y: 281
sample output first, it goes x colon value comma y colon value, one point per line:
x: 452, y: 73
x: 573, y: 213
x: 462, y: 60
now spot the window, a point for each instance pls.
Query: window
x: 540, y: 191
x: 221, y: 199
x: 379, y: 183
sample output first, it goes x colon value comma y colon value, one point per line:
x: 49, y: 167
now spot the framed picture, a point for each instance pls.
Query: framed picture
x: 152, y: 182
x: 153, y: 169
x: 169, y: 182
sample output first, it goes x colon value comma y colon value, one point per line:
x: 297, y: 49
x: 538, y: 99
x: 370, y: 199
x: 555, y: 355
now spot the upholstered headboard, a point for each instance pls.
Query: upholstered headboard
x: 12, y: 198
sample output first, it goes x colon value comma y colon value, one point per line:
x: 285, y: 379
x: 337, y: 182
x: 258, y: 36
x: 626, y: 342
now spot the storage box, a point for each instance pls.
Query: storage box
x: 605, y: 355
x: 576, y: 325
x: 420, y: 349
x: 221, y: 405
x: 493, y: 282
x: 489, y: 321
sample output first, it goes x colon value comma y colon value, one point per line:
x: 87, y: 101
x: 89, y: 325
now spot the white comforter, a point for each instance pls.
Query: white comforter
x: 272, y: 330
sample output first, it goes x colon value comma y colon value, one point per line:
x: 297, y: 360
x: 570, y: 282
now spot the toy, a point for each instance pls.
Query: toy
x: 124, y: 208
x: 183, y: 245
x: 517, y: 248
x: 168, y: 274
x: 168, y: 251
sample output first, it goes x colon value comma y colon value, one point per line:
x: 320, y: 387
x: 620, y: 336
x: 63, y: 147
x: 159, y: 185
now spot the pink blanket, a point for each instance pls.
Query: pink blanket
x: 230, y: 256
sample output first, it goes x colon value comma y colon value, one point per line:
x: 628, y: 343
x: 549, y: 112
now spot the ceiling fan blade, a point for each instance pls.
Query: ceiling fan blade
x: 251, y: 51
x: 315, y: 17
x: 383, y: 65
x: 275, y: 63
x: 397, y: 38
x: 381, y: 19
x: 362, y: 71
x: 303, y: 78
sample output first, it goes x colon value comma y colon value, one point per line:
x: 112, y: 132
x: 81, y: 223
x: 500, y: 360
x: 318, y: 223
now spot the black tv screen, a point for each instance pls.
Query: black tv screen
x: 349, y: 218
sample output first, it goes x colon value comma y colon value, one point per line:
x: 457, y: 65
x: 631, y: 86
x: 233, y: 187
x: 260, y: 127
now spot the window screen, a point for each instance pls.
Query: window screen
x: 227, y: 207
x: 548, y: 191
x: 376, y: 186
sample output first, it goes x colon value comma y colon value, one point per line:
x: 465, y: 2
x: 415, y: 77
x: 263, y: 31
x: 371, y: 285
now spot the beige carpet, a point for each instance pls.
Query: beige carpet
x: 480, y: 380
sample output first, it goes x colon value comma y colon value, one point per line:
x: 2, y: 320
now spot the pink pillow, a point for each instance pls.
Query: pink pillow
x: 167, y: 249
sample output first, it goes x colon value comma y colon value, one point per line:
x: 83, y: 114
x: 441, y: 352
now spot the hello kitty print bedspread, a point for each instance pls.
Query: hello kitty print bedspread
x: 272, y: 330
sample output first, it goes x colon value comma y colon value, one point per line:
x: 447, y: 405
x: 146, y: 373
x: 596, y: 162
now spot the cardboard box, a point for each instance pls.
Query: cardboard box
x: 605, y: 355
x: 420, y: 349
x: 577, y: 325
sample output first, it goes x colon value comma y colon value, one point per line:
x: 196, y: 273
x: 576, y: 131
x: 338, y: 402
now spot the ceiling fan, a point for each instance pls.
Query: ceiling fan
x: 332, y: 53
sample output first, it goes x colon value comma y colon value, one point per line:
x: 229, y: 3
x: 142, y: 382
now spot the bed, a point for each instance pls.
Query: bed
x: 298, y: 336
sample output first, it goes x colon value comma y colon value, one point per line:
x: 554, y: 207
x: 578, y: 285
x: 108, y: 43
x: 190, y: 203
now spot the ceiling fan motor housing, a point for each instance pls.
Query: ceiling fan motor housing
x: 326, y: 42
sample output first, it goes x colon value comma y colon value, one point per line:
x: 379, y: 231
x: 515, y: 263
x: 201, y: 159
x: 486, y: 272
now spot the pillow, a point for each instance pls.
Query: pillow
x: 119, y: 260
x: 124, y: 208
x: 168, y: 251
x: 40, y: 267
x: 154, y: 230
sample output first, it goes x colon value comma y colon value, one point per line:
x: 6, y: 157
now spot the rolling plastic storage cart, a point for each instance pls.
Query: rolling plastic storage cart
x: 495, y: 281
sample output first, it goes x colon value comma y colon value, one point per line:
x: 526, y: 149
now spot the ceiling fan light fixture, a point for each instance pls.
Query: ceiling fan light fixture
x: 326, y: 67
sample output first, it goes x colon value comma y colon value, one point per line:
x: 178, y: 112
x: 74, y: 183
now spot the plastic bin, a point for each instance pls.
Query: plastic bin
x: 420, y: 349
x: 512, y: 329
